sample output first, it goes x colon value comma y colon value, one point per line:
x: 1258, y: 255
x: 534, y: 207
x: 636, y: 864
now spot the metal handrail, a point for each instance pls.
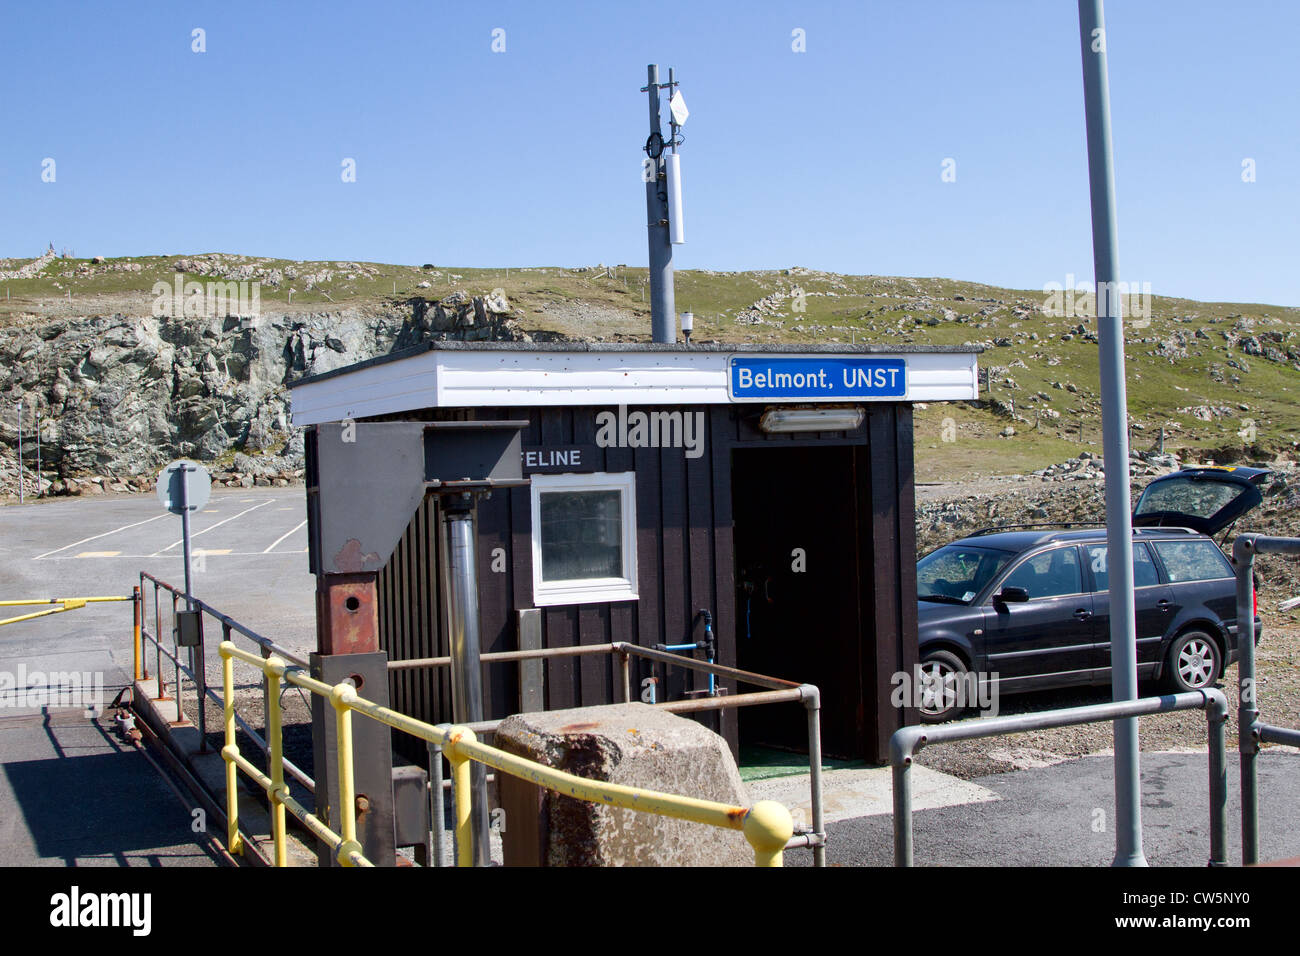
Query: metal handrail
x: 779, y: 690
x: 1251, y: 730
x: 906, y: 741
x: 767, y: 825
x: 229, y: 626
x: 228, y: 621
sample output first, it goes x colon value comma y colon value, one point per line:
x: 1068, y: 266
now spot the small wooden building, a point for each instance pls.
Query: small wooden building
x: 770, y: 486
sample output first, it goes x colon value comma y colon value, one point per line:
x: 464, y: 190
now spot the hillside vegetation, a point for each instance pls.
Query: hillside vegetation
x: 1217, y: 377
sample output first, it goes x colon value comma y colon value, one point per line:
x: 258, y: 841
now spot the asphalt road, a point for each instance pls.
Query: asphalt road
x: 250, y: 561
x: 1062, y: 816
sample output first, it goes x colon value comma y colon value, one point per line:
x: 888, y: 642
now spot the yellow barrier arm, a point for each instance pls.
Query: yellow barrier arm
x: 65, y: 604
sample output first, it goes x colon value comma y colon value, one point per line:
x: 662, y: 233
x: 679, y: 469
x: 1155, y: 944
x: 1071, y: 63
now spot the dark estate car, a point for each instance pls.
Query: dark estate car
x: 1032, y: 605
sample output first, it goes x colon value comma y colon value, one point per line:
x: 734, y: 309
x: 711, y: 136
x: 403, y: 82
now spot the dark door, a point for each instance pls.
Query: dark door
x: 1152, y: 602
x: 797, y: 617
x: 1047, y: 640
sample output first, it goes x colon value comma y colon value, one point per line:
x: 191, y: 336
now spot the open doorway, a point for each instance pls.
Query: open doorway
x: 798, y: 591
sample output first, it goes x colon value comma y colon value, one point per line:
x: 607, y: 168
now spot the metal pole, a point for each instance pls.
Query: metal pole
x: 1216, y: 718
x: 20, y: 451
x: 137, y: 613
x: 185, y: 534
x: 663, y: 308
x: 1114, y: 414
x: 437, y: 812
x: 40, y: 493
x: 1243, y: 555
x: 812, y: 704
x: 903, y: 812
x: 157, y: 640
x: 466, y: 670
x: 176, y: 659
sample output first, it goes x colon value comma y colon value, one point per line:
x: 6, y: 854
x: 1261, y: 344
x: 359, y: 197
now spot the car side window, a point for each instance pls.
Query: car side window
x: 1144, y: 569
x: 1049, y: 574
x: 1193, y: 560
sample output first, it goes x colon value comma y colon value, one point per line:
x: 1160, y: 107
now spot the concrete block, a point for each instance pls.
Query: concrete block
x: 634, y: 745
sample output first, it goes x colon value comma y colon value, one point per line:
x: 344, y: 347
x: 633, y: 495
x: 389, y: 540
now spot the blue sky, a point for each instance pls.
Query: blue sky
x: 829, y: 158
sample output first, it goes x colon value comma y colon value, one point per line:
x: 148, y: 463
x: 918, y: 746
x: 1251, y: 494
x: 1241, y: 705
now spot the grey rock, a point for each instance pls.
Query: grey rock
x: 634, y: 745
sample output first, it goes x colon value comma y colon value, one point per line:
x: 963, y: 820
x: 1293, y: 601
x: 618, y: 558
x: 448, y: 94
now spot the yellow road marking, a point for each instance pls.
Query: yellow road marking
x: 99, y: 554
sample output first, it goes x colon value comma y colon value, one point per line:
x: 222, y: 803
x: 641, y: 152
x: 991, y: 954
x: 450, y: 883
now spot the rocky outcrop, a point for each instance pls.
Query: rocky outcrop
x: 124, y: 394
x: 32, y: 268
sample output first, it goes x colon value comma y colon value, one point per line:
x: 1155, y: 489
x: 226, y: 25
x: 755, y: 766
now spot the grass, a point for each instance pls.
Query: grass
x: 837, y: 309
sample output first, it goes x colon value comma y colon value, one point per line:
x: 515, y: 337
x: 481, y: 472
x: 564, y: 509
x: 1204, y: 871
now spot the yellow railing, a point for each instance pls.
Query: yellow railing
x: 64, y: 604
x: 767, y: 825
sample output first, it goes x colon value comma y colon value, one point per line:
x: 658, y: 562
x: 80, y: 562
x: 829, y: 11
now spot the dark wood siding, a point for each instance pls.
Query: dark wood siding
x: 685, y: 564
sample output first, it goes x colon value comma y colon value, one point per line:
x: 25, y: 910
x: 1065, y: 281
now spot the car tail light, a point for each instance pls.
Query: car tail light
x: 1255, y: 594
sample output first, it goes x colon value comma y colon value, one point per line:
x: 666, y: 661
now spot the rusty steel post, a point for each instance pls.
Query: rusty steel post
x: 347, y: 613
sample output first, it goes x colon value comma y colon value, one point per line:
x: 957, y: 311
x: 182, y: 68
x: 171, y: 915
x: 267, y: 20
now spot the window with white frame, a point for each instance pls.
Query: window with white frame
x: 584, y: 538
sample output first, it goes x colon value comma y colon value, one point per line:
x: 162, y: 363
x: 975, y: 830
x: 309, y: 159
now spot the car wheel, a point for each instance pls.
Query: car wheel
x: 942, y: 677
x: 1194, y: 662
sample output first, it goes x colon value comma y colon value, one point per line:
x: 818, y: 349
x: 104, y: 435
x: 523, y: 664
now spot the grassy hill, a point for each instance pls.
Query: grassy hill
x: 1218, y: 377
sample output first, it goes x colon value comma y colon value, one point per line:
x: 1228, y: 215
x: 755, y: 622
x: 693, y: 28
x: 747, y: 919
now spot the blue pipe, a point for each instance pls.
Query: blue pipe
x: 706, y: 645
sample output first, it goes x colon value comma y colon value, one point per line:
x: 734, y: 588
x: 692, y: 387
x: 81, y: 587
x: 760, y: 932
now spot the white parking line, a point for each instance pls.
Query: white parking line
x: 195, y: 534
x: 104, y: 535
x: 281, y: 538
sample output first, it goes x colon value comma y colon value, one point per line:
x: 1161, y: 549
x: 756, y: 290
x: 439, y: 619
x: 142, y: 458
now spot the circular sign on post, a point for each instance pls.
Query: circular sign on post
x: 195, y: 491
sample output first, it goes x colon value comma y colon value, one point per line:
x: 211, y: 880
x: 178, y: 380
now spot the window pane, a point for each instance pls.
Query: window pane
x: 1144, y: 570
x: 581, y: 535
x: 957, y: 572
x: 1202, y: 499
x: 1048, y: 574
x: 1193, y: 560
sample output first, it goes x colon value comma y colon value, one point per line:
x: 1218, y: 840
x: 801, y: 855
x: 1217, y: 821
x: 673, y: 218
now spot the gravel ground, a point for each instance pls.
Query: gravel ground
x: 1009, y: 500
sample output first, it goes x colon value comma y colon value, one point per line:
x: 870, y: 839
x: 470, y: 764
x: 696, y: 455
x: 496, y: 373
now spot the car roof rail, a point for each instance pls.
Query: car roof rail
x: 996, y: 529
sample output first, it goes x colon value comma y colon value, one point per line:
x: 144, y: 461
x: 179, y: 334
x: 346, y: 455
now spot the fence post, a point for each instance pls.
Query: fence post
x: 176, y: 659
x: 266, y: 697
x: 157, y: 642
x: 275, y: 756
x: 135, y: 632
x: 1216, y: 717
x: 462, y: 787
x: 341, y: 697
x: 1243, y: 558
x: 234, y: 843
x: 768, y: 828
x: 437, y: 812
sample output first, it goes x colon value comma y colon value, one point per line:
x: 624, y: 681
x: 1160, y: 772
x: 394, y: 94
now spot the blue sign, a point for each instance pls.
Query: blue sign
x: 779, y: 378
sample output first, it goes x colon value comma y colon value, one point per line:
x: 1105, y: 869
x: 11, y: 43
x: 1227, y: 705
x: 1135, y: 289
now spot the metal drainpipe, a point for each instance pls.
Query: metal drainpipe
x: 466, y: 672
